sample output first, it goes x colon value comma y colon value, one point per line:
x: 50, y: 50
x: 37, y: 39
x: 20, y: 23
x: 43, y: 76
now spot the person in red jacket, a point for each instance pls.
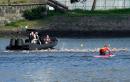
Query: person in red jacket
x: 105, y: 50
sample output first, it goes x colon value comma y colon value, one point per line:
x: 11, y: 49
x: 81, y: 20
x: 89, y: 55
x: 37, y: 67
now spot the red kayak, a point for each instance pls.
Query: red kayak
x: 104, y: 56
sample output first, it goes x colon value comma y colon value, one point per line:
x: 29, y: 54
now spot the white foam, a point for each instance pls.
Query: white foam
x: 70, y: 50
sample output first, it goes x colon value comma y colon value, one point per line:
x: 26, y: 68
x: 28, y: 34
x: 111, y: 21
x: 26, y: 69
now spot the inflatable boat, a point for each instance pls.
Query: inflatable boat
x: 25, y: 44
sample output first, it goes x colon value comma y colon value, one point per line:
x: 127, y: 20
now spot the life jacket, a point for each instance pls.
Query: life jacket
x: 103, y: 51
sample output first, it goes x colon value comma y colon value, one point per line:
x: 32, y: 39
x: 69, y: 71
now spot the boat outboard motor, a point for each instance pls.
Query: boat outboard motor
x: 12, y: 42
x: 19, y: 42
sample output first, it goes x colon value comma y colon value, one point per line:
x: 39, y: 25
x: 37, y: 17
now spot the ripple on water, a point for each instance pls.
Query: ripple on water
x: 74, y: 65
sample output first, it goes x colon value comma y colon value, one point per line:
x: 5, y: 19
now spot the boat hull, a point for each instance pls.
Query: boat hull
x: 32, y: 46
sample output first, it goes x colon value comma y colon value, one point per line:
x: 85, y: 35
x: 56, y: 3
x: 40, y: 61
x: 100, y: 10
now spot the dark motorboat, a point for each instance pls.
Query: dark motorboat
x: 25, y: 44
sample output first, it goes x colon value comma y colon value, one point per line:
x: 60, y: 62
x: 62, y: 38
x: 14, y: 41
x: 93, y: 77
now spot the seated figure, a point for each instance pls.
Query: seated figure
x: 34, y: 38
x: 31, y: 36
x: 47, y: 39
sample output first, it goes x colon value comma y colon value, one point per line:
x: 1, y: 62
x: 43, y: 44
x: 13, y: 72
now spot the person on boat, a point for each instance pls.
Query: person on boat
x: 47, y: 39
x: 38, y: 38
x: 105, y: 50
x: 31, y: 36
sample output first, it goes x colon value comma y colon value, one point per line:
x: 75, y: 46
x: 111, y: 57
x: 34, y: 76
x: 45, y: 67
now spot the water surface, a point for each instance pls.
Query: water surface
x: 70, y: 66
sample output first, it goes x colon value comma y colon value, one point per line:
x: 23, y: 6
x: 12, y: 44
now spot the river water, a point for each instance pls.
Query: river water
x: 71, y: 61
